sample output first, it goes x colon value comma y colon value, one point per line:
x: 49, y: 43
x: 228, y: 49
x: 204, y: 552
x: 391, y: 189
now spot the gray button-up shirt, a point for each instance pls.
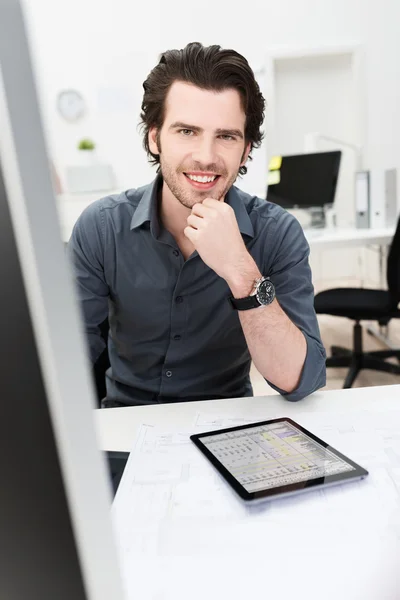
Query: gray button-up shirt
x: 174, y: 334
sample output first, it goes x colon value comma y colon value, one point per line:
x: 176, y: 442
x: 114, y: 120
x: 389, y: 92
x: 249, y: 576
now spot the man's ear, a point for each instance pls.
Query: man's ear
x: 245, y: 154
x: 152, y: 137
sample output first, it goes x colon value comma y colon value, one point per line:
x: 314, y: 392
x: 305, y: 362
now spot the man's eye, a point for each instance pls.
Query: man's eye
x: 227, y: 138
x: 186, y: 132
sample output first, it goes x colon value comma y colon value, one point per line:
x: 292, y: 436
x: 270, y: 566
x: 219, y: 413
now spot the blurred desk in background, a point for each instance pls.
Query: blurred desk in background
x: 351, y: 237
x: 71, y: 206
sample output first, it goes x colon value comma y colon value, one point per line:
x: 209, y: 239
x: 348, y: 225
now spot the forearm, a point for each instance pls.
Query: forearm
x: 277, y: 347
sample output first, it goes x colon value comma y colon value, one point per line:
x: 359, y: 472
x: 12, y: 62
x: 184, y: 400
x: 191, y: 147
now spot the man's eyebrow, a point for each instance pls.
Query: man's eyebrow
x: 232, y: 132
x: 181, y: 125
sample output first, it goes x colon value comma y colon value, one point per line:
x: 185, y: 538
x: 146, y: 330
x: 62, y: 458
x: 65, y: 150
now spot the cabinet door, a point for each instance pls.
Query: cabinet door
x: 345, y: 267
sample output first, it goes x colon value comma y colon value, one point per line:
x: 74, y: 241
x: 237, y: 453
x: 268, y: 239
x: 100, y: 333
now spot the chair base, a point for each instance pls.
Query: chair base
x: 357, y: 359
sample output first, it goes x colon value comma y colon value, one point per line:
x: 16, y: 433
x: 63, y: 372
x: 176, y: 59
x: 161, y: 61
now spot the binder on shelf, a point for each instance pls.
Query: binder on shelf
x: 362, y: 199
x: 391, y: 209
x: 376, y: 198
x: 383, y: 198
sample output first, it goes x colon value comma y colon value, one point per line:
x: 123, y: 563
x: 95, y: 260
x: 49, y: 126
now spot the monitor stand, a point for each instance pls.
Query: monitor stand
x: 318, y: 217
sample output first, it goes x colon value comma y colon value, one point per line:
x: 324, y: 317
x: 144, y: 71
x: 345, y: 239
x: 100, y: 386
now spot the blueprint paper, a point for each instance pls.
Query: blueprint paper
x: 173, y: 508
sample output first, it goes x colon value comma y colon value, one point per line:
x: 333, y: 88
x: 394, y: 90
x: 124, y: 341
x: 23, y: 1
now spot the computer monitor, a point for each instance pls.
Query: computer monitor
x: 56, y: 535
x: 306, y: 180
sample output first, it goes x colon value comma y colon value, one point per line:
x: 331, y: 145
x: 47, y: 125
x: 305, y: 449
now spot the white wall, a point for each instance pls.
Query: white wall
x: 95, y: 45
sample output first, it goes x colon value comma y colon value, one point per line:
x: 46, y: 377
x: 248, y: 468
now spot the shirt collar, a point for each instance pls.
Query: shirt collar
x: 147, y: 210
x: 233, y: 198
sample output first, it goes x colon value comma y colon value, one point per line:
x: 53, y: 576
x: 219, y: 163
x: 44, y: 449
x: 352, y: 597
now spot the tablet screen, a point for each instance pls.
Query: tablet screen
x: 275, y: 454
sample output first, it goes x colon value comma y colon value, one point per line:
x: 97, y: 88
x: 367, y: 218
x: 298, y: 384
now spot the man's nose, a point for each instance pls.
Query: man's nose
x: 205, y: 152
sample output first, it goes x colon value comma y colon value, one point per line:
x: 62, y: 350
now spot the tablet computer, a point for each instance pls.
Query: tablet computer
x: 274, y: 458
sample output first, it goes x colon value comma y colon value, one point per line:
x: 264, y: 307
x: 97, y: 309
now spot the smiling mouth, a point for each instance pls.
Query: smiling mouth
x: 201, y: 178
x: 202, y: 181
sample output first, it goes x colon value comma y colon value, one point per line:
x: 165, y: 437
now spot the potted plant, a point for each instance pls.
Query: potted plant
x: 86, y: 146
x: 91, y: 174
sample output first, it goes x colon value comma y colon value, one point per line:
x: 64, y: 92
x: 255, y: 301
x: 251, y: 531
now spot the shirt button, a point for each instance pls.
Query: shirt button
x: 179, y: 299
x: 177, y: 337
x: 168, y: 373
x: 175, y: 252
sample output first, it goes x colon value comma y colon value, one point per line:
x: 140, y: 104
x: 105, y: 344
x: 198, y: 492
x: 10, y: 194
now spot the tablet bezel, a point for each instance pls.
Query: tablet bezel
x: 358, y: 472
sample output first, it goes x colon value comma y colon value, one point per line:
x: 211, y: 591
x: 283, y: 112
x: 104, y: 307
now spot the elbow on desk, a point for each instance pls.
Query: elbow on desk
x: 313, y: 376
x: 303, y: 390
x: 298, y: 395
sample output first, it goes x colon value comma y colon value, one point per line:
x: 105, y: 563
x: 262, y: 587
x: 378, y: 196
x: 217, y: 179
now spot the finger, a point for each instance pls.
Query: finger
x: 199, y: 210
x: 211, y: 203
x: 214, y: 207
x: 204, y: 211
x: 190, y: 233
x: 195, y: 221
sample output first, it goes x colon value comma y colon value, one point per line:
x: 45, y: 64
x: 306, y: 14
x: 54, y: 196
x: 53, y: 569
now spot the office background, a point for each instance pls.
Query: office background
x: 104, y: 47
x: 172, y: 505
x: 326, y: 66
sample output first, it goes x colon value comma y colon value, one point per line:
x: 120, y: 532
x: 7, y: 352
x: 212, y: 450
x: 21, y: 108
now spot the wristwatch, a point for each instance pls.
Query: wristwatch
x: 264, y: 294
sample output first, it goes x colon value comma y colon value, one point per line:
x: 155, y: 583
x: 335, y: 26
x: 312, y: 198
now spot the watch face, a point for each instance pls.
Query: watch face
x: 266, y: 292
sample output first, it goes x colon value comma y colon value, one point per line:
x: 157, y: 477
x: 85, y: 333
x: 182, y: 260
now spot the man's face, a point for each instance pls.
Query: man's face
x: 202, y: 137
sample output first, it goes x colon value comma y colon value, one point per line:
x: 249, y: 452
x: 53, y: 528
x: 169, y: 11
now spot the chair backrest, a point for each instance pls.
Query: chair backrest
x: 393, y: 266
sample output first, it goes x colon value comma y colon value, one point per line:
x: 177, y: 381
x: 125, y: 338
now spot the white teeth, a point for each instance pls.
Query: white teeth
x: 204, y: 179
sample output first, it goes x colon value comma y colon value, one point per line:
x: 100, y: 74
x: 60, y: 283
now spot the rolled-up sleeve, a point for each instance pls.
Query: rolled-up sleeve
x: 290, y: 273
x: 86, y: 252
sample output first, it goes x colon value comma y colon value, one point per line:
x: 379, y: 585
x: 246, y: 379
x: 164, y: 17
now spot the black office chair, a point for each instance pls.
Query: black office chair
x: 361, y: 304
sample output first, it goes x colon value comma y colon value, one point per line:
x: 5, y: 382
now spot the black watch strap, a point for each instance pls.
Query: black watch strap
x: 245, y: 303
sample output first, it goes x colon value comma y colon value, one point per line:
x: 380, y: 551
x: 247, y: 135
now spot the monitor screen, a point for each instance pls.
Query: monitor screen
x: 306, y: 180
x: 56, y: 534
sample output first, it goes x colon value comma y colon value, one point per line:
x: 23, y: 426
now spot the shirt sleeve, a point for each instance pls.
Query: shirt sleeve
x: 290, y: 273
x: 85, y: 250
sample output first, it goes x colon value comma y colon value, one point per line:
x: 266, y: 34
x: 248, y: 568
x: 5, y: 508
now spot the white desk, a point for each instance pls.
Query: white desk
x: 351, y: 237
x: 341, y: 543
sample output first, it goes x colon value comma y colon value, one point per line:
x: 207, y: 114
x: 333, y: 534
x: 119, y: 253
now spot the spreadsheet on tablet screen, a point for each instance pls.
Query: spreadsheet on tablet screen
x: 273, y: 455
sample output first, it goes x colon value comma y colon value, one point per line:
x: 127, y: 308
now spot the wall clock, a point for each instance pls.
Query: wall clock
x: 71, y: 105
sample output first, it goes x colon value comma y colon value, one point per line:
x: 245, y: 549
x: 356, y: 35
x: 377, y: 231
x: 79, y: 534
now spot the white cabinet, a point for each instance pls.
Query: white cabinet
x: 347, y: 266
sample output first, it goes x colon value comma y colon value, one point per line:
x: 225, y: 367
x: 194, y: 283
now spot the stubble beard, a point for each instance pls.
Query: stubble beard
x: 189, y: 198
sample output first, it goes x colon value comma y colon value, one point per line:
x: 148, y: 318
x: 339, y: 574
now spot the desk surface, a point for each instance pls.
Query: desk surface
x: 117, y: 427
x: 351, y: 237
x: 183, y: 524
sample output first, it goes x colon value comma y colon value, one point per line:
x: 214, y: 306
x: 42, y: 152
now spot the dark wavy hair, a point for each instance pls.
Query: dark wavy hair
x: 209, y: 68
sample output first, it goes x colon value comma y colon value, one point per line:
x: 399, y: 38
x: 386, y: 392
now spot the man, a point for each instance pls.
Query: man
x: 196, y: 277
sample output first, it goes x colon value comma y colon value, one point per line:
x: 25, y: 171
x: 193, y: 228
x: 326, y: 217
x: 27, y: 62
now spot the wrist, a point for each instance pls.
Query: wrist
x: 242, y: 279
